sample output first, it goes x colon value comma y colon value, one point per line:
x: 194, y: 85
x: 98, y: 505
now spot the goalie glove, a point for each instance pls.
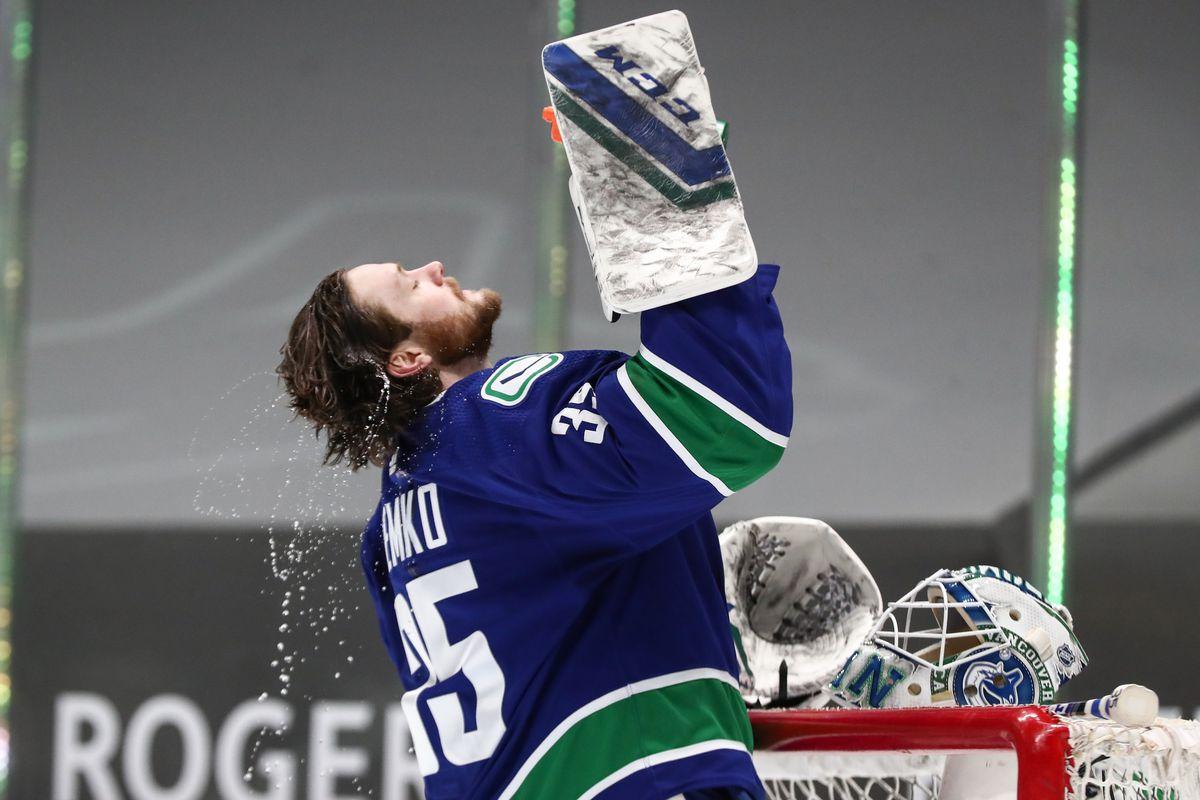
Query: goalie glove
x: 800, y: 602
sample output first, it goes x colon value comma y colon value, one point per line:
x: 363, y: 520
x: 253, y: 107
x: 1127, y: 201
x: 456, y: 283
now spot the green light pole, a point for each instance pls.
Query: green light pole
x: 1050, y: 512
x: 554, y: 219
x: 16, y: 26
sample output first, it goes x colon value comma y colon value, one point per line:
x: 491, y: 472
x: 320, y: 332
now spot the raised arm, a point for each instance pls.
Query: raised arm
x: 713, y: 378
x: 702, y: 409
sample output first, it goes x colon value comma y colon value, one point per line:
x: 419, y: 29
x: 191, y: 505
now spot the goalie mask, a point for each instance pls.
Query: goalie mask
x: 978, y: 636
x: 800, y: 601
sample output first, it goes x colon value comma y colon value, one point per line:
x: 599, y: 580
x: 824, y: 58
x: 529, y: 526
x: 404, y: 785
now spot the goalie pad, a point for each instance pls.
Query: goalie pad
x: 800, y: 602
x: 650, y: 180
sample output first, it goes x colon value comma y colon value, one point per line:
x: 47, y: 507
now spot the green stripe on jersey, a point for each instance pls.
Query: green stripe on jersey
x: 614, y: 738
x: 720, y: 444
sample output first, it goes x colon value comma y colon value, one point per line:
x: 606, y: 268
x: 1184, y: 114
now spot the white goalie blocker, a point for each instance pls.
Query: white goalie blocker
x: 650, y: 179
x: 800, y: 602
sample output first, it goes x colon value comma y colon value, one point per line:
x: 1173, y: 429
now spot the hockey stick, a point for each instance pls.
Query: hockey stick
x: 1129, y: 704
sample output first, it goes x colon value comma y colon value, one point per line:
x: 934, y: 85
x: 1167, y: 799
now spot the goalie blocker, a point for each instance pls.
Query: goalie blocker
x: 650, y: 179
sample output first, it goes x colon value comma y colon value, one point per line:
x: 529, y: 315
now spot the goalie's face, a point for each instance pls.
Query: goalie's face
x: 448, y: 323
x: 416, y: 296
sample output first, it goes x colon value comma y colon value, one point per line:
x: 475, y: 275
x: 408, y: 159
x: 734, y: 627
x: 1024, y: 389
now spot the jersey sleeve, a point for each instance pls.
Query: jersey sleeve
x: 713, y: 378
x: 702, y: 410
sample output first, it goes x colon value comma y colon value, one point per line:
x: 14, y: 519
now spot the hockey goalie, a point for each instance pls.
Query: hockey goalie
x: 542, y: 559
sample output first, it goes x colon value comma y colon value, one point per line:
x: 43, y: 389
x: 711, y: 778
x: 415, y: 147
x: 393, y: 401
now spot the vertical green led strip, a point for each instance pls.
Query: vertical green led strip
x: 16, y: 23
x: 1051, y: 509
x: 554, y: 216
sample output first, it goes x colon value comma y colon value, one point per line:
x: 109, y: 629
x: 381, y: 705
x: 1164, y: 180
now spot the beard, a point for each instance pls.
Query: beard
x: 467, y: 334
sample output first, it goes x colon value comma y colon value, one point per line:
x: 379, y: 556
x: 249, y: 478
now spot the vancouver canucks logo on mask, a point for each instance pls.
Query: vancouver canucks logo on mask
x: 993, y: 680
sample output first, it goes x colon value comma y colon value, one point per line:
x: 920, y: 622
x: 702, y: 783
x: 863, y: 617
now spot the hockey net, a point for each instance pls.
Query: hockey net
x: 993, y: 753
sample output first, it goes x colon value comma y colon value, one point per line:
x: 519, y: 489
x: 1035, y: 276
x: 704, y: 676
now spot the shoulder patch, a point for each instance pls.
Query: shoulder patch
x: 510, y: 383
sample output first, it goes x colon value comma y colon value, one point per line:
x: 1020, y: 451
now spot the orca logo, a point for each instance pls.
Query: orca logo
x: 993, y: 680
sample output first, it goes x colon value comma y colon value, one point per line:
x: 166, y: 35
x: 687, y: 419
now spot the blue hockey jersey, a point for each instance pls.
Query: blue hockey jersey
x: 545, y: 566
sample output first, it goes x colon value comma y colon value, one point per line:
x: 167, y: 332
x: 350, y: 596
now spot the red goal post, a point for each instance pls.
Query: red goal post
x: 960, y: 753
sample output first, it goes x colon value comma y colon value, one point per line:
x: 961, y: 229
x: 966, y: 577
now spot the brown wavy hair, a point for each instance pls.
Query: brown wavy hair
x: 333, y: 367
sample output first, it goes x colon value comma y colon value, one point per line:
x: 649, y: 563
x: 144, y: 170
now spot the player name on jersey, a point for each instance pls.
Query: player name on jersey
x: 402, y: 536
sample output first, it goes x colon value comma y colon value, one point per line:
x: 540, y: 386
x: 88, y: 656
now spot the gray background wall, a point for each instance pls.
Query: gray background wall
x: 199, y: 166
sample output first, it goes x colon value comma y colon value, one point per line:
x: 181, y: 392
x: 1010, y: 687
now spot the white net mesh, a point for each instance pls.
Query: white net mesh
x: 849, y: 776
x: 845, y: 788
x: 1113, y: 762
x: 1104, y: 761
